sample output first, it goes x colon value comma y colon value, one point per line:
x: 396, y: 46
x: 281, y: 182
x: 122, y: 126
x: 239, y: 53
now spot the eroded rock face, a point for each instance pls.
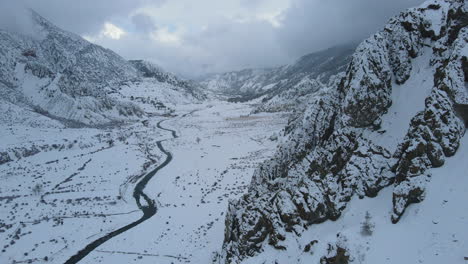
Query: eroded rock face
x: 434, y: 133
x: 327, y: 154
x: 339, y: 256
x: 368, y: 85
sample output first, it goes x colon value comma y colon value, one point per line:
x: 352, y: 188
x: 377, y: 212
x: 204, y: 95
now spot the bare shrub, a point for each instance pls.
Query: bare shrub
x: 37, y: 189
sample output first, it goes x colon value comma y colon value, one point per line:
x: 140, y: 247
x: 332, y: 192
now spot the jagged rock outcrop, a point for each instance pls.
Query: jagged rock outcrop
x: 435, y: 133
x: 335, y: 149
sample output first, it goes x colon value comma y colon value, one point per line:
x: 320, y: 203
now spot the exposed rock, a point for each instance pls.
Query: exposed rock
x: 4, y: 158
x: 340, y: 256
x: 327, y: 155
x: 29, y: 53
x: 434, y: 133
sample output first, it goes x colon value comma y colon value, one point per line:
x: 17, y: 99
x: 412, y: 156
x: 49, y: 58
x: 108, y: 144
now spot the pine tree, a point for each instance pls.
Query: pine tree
x: 367, y: 227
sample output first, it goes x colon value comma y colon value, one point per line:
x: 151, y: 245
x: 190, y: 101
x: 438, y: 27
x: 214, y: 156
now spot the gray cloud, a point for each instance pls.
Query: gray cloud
x: 84, y: 17
x: 143, y: 23
x: 314, y: 24
x: 196, y: 37
x: 14, y: 17
x: 221, y: 47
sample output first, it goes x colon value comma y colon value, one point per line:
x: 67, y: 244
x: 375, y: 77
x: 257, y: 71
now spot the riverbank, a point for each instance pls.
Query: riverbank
x: 213, y: 160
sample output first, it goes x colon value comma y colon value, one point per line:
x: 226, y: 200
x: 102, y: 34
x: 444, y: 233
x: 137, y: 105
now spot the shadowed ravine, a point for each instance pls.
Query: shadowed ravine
x: 149, y: 209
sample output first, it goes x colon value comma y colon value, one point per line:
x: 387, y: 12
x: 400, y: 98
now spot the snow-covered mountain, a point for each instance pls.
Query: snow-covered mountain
x: 60, y: 75
x: 399, y: 110
x: 152, y: 71
x: 370, y: 167
x: 284, y: 87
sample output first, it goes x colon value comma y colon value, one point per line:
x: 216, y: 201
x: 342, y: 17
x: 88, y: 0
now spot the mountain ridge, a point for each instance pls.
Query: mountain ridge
x: 278, y: 87
x: 60, y: 74
x: 334, y: 150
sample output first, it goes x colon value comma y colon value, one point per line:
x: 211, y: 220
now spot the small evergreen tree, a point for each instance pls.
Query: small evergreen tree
x: 367, y: 227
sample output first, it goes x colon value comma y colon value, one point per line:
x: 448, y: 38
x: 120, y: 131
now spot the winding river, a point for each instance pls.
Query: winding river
x: 144, y: 202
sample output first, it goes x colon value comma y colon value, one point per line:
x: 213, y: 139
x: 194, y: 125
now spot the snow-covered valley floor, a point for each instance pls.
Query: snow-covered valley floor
x: 68, y: 187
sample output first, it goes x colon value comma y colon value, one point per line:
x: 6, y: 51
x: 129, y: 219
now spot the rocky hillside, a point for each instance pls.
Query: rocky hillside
x: 152, y: 71
x: 399, y: 109
x: 283, y: 87
x: 64, y: 77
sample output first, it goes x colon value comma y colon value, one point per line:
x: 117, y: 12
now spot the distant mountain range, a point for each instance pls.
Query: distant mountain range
x: 282, y: 88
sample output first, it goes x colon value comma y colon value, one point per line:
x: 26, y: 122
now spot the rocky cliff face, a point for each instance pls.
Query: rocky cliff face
x: 399, y: 109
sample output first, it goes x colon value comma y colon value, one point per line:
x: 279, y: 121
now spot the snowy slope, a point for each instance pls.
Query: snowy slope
x: 150, y: 71
x: 398, y: 111
x: 59, y: 73
x: 283, y: 87
x: 62, y: 76
x: 63, y: 188
x: 431, y: 232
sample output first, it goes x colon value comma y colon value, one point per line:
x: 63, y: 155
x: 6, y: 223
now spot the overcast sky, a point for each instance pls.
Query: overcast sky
x: 193, y: 37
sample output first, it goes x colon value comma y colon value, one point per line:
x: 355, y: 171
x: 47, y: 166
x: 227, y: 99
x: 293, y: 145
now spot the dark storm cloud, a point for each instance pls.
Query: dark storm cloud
x: 84, y: 17
x: 317, y: 24
x: 233, y: 42
x: 240, y: 45
x: 195, y: 37
x: 306, y: 26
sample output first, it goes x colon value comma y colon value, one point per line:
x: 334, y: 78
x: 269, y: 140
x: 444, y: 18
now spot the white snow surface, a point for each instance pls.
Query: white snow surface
x: 62, y: 188
x: 407, y: 100
x: 85, y: 185
x: 431, y: 232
